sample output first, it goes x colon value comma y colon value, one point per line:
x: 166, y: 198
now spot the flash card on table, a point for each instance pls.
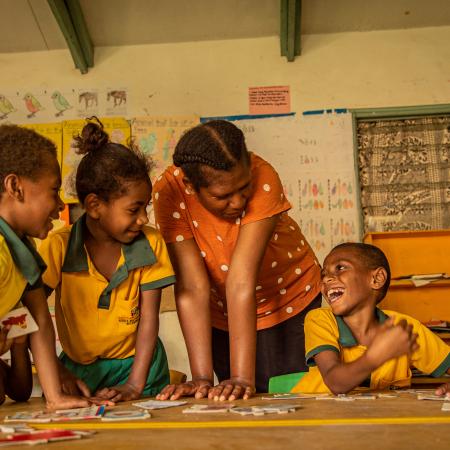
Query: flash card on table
x: 126, y: 415
x: 289, y: 396
x: 246, y: 411
x: 277, y: 408
x: 158, y: 404
x: 208, y: 409
x: 21, y: 322
x: 92, y: 412
x: 19, y: 428
x: 39, y: 437
x: 446, y: 406
x: 431, y: 397
x: 32, y: 417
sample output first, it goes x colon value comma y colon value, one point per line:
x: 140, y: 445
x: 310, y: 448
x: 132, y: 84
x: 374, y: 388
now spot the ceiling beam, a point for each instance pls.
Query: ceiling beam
x: 70, y: 19
x: 290, y: 20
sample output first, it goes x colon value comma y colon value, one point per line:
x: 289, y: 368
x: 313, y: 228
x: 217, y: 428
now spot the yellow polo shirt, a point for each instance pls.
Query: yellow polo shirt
x: 20, y: 267
x: 325, y: 331
x: 97, y: 318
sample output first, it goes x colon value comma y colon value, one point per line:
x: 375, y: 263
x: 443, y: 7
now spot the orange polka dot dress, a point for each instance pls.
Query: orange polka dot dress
x: 290, y: 274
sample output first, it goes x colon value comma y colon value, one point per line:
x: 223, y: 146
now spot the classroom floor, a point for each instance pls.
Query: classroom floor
x: 385, y: 423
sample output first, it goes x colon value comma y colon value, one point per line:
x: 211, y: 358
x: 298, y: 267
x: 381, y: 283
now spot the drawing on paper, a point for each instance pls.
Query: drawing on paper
x: 32, y: 104
x: 6, y: 107
x: 60, y: 103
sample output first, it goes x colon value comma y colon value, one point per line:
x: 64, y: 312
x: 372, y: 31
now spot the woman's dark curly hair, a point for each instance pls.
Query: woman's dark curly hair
x: 25, y: 153
x: 217, y: 144
x: 106, y: 167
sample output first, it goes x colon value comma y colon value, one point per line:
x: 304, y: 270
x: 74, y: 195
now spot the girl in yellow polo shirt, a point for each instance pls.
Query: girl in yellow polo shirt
x: 107, y: 270
x: 29, y: 184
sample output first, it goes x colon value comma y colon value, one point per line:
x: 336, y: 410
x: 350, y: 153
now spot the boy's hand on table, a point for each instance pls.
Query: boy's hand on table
x: 119, y: 393
x: 232, y: 389
x: 198, y: 388
x: 392, y: 341
x: 443, y: 390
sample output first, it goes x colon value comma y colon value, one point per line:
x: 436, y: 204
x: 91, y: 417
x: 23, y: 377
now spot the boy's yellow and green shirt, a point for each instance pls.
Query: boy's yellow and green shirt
x: 20, y: 267
x: 97, y: 318
x: 325, y: 331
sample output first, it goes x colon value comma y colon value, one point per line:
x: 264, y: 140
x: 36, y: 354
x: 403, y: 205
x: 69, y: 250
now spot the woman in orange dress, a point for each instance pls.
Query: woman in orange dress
x: 246, y: 276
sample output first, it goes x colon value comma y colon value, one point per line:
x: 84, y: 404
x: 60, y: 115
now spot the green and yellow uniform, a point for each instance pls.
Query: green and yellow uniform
x: 20, y: 268
x: 97, y: 319
x: 325, y: 331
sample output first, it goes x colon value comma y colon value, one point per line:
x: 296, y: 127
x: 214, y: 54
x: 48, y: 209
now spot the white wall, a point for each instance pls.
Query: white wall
x: 372, y: 69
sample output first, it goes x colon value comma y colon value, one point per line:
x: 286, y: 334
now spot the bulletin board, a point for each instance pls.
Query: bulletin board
x: 314, y: 156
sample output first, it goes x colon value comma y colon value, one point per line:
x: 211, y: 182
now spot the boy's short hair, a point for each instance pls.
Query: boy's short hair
x: 23, y: 152
x: 373, y: 258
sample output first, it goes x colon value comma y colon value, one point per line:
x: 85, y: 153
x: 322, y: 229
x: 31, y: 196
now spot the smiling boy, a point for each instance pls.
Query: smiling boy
x: 354, y: 343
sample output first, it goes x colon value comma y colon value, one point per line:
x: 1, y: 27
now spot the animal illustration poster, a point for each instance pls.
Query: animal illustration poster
x: 37, y: 105
x: 52, y: 131
x: 117, y: 101
x: 119, y: 131
x: 156, y: 136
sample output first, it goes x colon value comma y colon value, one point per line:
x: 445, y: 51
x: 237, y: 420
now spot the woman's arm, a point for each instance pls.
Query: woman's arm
x: 147, y: 334
x: 241, y: 304
x: 192, y: 299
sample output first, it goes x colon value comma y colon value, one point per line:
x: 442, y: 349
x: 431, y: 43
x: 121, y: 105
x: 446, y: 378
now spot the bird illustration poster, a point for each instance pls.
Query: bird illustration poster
x: 52, y: 131
x: 119, y: 132
x: 8, y: 107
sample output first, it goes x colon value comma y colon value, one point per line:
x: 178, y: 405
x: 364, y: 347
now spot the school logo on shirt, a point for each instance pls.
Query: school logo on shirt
x: 133, y: 319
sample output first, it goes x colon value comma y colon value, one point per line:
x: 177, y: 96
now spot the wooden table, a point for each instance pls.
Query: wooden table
x: 385, y: 423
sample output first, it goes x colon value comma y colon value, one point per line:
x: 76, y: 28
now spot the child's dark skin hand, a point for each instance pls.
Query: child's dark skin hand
x: 119, y: 393
x: 72, y: 385
x: 443, y: 390
x: 391, y: 341
x: 198, y: 388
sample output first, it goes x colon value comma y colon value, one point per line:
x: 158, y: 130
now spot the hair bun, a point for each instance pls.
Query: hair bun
x: 92, y: 137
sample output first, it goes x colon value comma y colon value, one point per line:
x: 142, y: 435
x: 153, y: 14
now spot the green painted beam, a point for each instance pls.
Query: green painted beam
x: 290, y: 20
x: 74, y: 32
x: 81, y: 29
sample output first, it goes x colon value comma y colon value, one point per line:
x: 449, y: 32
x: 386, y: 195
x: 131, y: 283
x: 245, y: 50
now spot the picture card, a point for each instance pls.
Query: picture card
x: 159, y: 404
x: 125, y: 415
x: 21, y: 322
x: 208, y: 409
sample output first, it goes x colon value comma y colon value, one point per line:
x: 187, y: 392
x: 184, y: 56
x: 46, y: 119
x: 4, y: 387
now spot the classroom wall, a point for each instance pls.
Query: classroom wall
x: 353, y: 70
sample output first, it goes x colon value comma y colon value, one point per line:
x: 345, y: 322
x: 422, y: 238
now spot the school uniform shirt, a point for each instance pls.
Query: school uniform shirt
x: 289, y: 276
x: 20, y: 267
x: 97, y: 318
x: 325, y: 331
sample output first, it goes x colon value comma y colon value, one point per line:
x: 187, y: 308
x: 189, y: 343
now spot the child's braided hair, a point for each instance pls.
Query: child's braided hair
x: 217, y: 144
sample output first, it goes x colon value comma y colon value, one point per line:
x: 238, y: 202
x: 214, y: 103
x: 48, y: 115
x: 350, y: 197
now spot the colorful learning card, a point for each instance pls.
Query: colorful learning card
x: 21, y: 322
x: 158, y: 404
x: 126, y: 415
x: 39, y: 437
x: 208, y: 409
